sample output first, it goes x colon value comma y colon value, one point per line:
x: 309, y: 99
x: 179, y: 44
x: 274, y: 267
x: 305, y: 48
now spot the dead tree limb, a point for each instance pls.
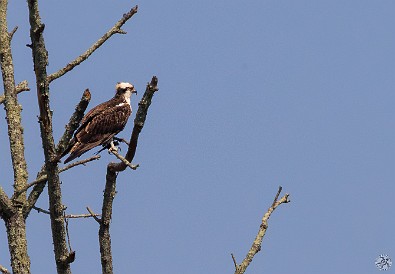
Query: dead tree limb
x: 12, y: 211
x: 115, y: 29
x: 4, y: 270
x: 72, y: 125
x: 22, y: 86
x: 112, y: 171
x: 68, y: 216
x: 44, y: 177
x: 120, y: 157
x: 257, y: 244
x: 40, y: 61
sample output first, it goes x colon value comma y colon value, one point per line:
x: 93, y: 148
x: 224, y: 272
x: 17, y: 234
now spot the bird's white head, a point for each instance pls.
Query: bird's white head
x: 125, y: 89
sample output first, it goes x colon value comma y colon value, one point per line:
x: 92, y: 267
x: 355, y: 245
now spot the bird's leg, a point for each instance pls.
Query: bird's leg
x: 111, y: 146
x: 108, y: 145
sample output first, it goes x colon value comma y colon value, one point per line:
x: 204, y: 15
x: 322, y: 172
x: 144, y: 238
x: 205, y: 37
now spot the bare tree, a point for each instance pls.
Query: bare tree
x: 15, y: 210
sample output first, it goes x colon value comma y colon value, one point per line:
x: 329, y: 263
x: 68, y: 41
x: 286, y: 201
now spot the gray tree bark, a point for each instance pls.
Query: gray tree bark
x: 12, y: 210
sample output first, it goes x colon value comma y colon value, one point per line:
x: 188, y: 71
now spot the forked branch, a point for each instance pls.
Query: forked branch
x: 256, y: 245
x: 126, y: 162
x: 71, y: 126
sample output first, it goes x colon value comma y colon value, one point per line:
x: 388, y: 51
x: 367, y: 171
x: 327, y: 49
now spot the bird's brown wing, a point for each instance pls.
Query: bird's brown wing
x: 94, y: 112
x: 98, y: 127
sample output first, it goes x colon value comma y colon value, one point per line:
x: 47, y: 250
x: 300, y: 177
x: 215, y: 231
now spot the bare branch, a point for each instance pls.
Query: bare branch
x: 81, y: 162
x: 126, y: 162
x: 111, y: 177
x: 74, y: 121
x: 11, y: 34
x: 43, y: 177
x: 234, y: 260
x: 92, y: 214
x: 280, y: 188
x: 22, y: 86
x: 72, y: 125
x: 63, y: 257
x: 68, y: 216
x: 4, y: 270
x: 115, y: 29
x: 71, y: 256
x: 40, y: 210
x: 256, y: 245
x: 66, y: 222
x: 79, y: 216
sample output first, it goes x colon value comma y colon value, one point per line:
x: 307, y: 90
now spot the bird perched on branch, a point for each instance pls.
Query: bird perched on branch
x: 102, y: 123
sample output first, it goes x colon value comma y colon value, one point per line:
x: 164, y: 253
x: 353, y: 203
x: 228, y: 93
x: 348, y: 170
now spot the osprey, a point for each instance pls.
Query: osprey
x: 102, y: 123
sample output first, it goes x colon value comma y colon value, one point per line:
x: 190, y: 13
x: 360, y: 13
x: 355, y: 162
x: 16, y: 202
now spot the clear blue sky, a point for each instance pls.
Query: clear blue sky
x: 253, y: 95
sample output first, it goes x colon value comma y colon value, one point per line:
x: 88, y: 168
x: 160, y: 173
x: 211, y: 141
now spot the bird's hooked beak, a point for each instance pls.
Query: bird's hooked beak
x: 134, y: 91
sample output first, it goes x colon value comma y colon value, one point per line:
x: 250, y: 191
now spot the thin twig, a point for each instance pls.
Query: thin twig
x: 11, y: 34
x: 40, y: 210
x: 66, y: 222
x: 82, y: 162
x: 234, y: 260
x: 81, y: 216
x: 43, y: 177
x: 4, y: 270
x: 92, y: 214
x: 277, y: 195
x: 256, y: 245
x: 68, y: 216
x: 115, y: 29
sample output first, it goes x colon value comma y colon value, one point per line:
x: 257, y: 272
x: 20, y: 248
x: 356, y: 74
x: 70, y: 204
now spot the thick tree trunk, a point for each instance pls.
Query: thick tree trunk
x: 40, y: 59
x: 17, y: 244
x: 12, y: 211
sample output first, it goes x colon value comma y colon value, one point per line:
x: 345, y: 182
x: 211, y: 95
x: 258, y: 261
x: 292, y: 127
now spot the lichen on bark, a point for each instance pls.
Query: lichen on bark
x: 12, y: 211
